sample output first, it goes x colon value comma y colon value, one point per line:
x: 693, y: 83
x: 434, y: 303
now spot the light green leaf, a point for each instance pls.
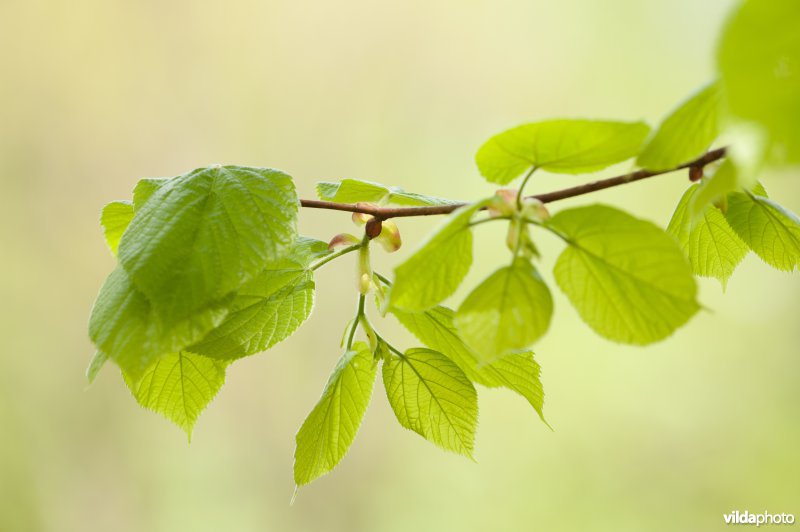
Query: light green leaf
x: 561, y: 146
x: 331, y: 427
x: 179, y: 386
x: 439, y: 264
x: 508, y: 311
x: 269, y: 308
x: 431, y: 396
x: 95, y: 365
x: 145, y: 188
x: 686, y: 133
x: 770, y: 230
x: 115, y: 219
x: 356, y: 190
x: 201, y: 235
x: 714, y: 188
x: 627, y: 278
x: 518, y: 372
x: 759, y: 62
x: 713, y: 248
x: 123, y: 326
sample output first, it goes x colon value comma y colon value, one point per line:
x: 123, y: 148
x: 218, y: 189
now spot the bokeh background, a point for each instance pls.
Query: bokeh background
x: 95, y: 94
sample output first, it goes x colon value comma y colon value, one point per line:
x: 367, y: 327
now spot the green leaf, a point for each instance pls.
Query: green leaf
x: 431, y: 396
x: 95, y: 365
x: 560, y: 146
x: 714, y: 188
x: 712, y: 246
x: 269, y: 308
x: 115, y: 219
x: 331, y: 427
x: 759, y: 62
x: 356, y: 190
x: 123, y: 326
x: 200, y: 236
x: 145, y: 188
x: 686, y: 133
x: 508, y: 311
x: 627, y: 278
x: 434, y: 271
x: 518, y: 372
x: 179, y: 386
x: 770, y: 230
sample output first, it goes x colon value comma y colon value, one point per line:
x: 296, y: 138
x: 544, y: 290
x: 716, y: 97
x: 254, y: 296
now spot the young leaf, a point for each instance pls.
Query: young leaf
x: 686, y: 133
x: 179, y: 386
x: 95, y: 365
x: 356, y: 190
x: 627, y: 278
x: 712, y: 246
x: 115, y: 219
x: 508, y: 311
x: 437, y: 267
x: 269, y: 308
x: 431, y: 396
x: 331, y: 427
x: 758, y: 59
x: 770, y: 230
x: 518, y: 372
x: 122, y: 325
x: 560, y: 146
x: 715, y: 188
x: 145, y: 188
x: 201, y: 235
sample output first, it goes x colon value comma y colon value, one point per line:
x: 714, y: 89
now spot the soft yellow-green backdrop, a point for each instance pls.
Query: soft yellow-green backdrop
x: 95, y: 94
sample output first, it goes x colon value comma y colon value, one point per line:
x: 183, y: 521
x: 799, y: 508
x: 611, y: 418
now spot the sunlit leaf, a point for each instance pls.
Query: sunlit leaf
x: 114, y: 219
x: 712, y: 246
x: 561, y: 146
x: 437, y: 267
x: 627, y: 278
x: 516, y: 371
x: 356, y: 190
x: 179, y: 386
x: 686, y: 133
x: 431, y: 396
x: 508, y: 311
x: 771, y: 231
x: 331, y: 427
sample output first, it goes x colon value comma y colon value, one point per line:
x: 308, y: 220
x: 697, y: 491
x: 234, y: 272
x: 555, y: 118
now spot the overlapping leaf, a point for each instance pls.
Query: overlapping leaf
x: 114, y: 220
x: 508, y: 311
x: 124, y: 327
x: 770, y: 230
x: 356, y: 190
x: 686, y: 133
x: 269, y: 308
x: 437, y: 267
x: 179, y: 386
x: 431, y: 396
x: 561, y: 146
x: 518, y: 372
x: 201, y: 235
x: 711, y: 245
x: 331, y: 427
x: 627, y: 278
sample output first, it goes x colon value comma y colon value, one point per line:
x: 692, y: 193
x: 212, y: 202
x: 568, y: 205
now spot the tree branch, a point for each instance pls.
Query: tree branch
x: 384, y: 213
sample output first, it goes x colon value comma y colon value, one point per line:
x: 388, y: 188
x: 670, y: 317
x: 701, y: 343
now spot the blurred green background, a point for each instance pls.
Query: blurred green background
x: 98, y: 93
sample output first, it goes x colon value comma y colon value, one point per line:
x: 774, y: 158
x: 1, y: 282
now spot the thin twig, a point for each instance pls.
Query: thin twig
x: 384, y: 213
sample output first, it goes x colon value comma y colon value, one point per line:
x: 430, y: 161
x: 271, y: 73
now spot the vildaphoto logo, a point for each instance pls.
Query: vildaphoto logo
x: 746, y: 518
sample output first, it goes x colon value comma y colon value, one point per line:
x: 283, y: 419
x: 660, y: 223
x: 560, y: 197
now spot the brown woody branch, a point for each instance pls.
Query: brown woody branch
x: 384, y: 213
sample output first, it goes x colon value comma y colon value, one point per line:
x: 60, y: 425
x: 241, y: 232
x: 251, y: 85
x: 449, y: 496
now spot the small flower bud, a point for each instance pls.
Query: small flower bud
x: 533, y: 209
x: 695, y: 173
x: 373, y: 228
